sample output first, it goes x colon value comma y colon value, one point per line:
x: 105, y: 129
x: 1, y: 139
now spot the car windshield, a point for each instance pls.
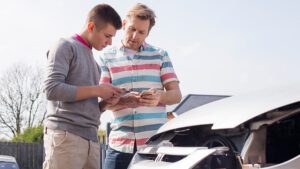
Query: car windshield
x: 8, y: 165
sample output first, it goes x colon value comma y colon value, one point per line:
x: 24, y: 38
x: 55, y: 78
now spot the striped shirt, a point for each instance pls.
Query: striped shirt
x: 150, y: 67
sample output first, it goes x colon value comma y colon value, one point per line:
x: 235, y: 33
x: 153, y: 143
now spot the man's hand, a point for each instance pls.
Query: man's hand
x: 109, y: 91
x: 112, y: 101
x: 130, y: 100
x: 105, y: 91
x: 105, y: 104
x: 149, y: 99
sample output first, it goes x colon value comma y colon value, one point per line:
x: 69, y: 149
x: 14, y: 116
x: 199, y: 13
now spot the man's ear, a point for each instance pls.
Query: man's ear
x: 90, y: 26
x: 124, y: 24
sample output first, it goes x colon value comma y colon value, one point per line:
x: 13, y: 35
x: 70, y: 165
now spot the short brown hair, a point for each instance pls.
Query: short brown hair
x: 143, y: 12
x: 103, y: 14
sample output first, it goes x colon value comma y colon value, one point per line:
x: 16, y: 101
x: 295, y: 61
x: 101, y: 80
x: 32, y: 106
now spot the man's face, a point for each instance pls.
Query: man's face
x: 136, y: 31
x: 103, y: 37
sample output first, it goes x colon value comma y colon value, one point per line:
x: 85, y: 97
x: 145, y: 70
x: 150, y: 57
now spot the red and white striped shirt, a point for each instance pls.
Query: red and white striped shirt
x: 150, y: 67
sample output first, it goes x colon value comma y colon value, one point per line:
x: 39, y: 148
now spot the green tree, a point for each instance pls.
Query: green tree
x: 30, y: 135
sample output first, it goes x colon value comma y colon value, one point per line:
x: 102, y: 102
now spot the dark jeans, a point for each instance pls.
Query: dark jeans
x: 117, y: 160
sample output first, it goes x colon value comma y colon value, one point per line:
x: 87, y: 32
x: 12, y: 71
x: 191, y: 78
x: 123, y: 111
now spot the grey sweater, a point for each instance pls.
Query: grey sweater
x: 71, y: 64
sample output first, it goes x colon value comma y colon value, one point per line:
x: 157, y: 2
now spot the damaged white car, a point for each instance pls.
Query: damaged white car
x: 255, y: 130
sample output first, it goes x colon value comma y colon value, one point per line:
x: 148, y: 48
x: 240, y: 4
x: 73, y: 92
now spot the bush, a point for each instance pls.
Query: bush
x: 31, y: 135
x: 35, y: 135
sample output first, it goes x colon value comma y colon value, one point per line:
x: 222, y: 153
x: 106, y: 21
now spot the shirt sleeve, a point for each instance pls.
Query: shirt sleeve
x: 167, y: 73
x: 59, y: 59
x: 105, y: 74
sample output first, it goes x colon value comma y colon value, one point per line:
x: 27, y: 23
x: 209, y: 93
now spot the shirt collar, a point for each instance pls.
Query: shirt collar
x: 122, y: 47
x: 79, y: 38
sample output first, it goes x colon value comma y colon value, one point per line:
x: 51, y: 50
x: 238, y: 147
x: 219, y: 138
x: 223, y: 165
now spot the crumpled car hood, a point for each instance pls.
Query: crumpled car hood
x: 233, y: 111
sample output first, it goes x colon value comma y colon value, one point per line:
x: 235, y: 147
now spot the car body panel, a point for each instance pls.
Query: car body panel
x: 8, y: 161
x: 7, y: 158
x: 192, y: 158
x: 249, y: 131
x: 233, y: 111
x: 293, y: 163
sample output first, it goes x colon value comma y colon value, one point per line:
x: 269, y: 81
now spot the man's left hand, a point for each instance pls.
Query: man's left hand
x: 150, y: 100
x: 112, y: 101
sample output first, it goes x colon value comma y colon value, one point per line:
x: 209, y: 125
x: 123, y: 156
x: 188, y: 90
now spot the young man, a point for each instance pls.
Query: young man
x: 138, y: 67
x: 72, y: 89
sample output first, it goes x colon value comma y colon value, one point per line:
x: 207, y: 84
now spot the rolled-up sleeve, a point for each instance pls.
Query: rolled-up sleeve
x: 167, y: 73
x: 105, y: 73
x: 55, y: 86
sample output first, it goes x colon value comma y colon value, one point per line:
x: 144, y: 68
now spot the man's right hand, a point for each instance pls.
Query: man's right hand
x: 107, y: 91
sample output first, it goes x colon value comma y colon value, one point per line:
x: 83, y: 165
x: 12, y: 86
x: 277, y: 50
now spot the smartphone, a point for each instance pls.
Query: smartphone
x: 146, y: 92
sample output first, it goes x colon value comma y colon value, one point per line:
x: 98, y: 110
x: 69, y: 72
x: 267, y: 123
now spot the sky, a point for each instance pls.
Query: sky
x: 222, y: 47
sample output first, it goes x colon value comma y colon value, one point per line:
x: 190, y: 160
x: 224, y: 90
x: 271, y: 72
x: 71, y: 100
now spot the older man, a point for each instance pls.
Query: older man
x: 148, y: 73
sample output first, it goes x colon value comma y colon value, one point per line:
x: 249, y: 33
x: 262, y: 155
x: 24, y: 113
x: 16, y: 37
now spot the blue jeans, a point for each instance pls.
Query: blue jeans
x: 117, y: 160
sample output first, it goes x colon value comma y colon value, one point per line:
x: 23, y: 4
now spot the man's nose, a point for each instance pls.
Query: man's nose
x: 134, y: 35
x: 109, y: 42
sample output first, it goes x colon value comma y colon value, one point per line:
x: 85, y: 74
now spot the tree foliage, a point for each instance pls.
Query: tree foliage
x: 22, y: 104
x: 30, y: 135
